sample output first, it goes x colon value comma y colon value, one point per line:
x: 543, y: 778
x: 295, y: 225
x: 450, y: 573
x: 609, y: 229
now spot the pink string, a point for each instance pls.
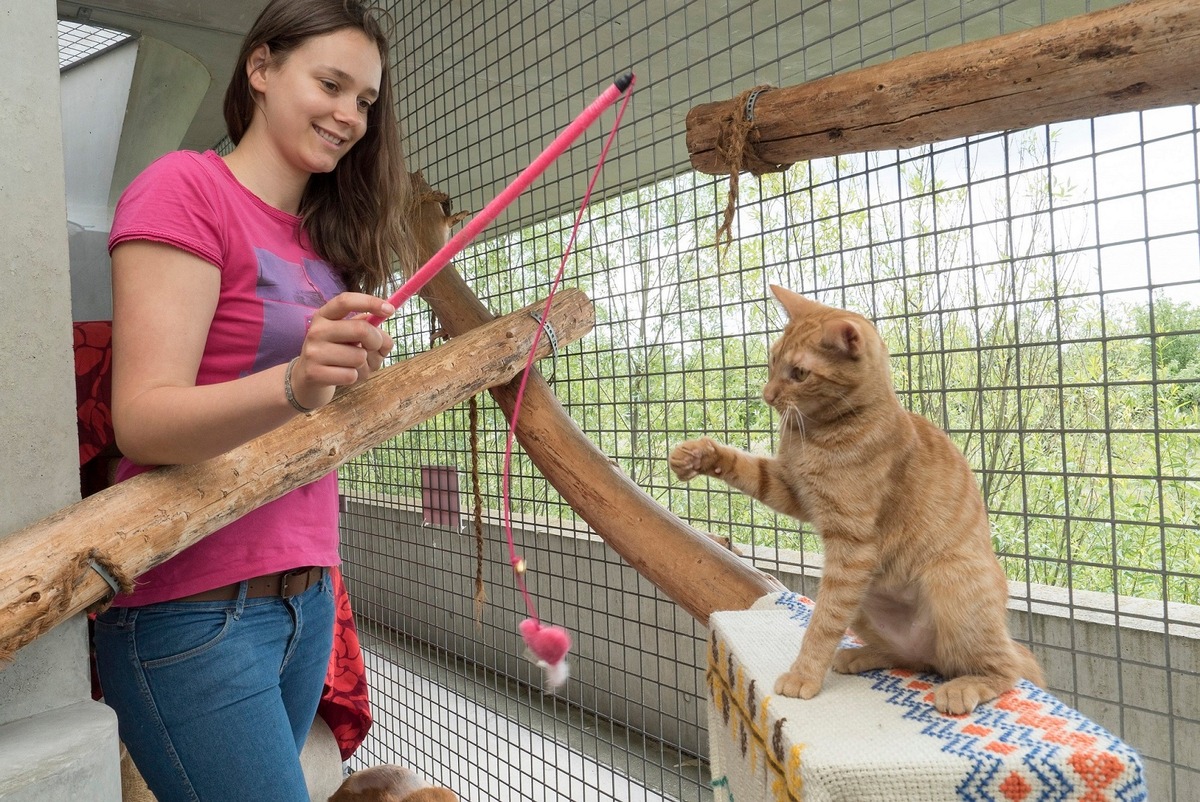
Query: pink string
x: 514, y: 558
x: 507, y: 196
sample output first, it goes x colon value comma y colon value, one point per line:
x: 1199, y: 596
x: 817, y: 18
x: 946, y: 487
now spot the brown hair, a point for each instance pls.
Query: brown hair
x: 356, y: 215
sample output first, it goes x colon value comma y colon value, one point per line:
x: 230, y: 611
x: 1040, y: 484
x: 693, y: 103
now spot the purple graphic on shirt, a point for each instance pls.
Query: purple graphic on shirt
x: 290, y: 294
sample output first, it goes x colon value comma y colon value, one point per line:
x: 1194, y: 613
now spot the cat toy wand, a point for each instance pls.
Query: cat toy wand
x: 549, y: 644
x: 519, y: 184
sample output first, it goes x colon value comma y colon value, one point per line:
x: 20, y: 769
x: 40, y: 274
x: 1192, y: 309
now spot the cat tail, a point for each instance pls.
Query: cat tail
x: 1027, y: 664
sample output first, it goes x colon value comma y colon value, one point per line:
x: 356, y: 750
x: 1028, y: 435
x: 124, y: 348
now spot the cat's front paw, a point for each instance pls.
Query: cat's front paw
x: 962, y: 695
x: 694, y: 457
x: 798, y: 686
x: 858, y: 660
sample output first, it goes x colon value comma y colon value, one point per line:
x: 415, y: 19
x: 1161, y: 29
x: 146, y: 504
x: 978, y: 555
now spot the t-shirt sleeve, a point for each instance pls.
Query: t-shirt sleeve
x: 172, y: 202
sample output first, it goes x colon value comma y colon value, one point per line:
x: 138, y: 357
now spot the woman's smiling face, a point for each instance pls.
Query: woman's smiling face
x: 314, y: 105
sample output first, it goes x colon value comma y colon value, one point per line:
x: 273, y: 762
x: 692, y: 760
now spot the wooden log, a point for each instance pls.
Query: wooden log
x: 137, y: 524
x: 1135, y: 56
x: 689, y: 566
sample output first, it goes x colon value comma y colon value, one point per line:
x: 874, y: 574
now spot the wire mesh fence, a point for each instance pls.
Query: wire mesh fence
x: 79, y: 41
x: 1039, y: 291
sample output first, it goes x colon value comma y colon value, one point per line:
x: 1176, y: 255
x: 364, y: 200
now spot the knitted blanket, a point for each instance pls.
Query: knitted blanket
x: 877, y: 736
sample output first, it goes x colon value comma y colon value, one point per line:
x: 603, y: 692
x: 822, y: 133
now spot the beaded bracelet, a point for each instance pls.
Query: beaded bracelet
x: 287, y: 389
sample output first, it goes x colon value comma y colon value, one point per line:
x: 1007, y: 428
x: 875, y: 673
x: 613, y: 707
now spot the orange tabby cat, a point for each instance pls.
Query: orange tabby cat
x: 909, y: 565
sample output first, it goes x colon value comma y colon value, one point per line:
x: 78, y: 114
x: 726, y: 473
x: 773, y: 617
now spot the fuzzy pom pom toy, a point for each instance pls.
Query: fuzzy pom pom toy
x: 549, y: 646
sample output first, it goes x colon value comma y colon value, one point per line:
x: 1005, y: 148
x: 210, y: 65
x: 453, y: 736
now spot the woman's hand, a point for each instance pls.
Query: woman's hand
x: 164, y: 300
x: 341, y: 347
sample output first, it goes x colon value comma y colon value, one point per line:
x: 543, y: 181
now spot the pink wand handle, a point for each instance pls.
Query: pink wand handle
x: 507, y: 196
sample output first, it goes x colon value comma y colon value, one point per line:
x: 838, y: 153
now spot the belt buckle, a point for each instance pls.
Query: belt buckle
x: 288, y: 577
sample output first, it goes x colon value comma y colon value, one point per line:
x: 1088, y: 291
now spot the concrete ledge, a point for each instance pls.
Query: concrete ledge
x: 67, y: 753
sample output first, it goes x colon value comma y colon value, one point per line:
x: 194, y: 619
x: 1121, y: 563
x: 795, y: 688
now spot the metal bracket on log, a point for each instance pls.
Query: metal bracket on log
x: 46, y: 569
x: 1134, y: 56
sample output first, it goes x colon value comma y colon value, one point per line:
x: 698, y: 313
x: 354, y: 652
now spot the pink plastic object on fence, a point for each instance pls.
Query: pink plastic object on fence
x: 507, y: 196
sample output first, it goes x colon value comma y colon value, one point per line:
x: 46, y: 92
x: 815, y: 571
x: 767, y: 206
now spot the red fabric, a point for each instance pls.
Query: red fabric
x: 93, y: 387
x: 344, y: 703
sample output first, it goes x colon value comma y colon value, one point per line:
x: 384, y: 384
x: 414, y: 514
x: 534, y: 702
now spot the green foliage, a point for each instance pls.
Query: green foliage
x: 1079, y: 413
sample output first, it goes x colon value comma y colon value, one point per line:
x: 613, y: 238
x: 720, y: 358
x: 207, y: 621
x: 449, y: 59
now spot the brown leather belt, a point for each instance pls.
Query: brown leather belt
x: 285, y: 584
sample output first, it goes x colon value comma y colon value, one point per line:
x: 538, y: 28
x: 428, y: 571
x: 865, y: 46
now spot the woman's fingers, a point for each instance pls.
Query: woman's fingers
x: 346, y: 304
x: 386, y: 347
x: 342, y: 347
x: 344, y: 319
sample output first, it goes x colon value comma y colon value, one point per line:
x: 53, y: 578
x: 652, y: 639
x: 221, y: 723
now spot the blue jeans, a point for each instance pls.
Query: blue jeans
x: 215, y: 698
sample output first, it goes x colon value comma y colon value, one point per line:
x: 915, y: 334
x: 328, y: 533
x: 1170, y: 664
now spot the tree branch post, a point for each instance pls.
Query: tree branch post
x: 690, y: 567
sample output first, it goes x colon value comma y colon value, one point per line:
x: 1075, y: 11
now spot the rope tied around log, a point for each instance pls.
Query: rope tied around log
x: 67, y: 581
x: 735, y: 145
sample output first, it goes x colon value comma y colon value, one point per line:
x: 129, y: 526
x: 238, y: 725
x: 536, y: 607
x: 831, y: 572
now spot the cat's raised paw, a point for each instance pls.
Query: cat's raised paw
x: 694, y: 457
x: 797, y: 686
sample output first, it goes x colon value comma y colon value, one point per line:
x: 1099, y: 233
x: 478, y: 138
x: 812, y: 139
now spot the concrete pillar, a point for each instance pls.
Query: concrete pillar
x: 55, y: 743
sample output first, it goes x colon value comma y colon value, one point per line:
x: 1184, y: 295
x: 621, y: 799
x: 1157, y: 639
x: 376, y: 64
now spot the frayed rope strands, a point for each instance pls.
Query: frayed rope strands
x: 735, y: 144
x: 477, y: 513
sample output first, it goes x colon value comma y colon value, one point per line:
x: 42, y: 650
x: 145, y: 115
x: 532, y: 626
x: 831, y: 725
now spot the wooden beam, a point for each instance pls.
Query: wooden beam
x: 1135, y: 56
x: 689, y: 566
x: 45, y: 575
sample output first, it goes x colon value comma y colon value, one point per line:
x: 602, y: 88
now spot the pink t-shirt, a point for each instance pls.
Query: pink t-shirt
x: 271, y: 281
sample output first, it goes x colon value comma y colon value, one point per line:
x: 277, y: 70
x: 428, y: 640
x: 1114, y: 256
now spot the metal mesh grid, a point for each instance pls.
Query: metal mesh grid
x: 78, y: 41
x: 1039, y: 291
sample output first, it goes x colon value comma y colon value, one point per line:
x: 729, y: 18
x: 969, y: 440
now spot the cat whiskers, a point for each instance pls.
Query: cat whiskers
x: 790, y: 413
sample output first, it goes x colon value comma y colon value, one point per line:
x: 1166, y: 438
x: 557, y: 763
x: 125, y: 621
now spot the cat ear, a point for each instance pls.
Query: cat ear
x: 795, y: 304
x: 843, y: 336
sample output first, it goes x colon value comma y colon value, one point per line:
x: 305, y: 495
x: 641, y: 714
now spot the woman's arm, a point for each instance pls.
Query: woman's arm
x: 163, y: 303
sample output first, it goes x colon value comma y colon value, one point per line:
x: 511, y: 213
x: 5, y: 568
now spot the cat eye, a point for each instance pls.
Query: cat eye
x: 799, y: 374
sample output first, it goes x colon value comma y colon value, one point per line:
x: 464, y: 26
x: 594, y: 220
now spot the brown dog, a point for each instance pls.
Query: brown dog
x: 389, y: 784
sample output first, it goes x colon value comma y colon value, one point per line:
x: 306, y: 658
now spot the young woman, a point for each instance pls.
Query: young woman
x: 240, y: 290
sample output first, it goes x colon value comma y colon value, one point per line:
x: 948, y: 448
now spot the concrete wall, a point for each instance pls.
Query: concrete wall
x: 55, y: 743
x: 121, y: 110
x: 640, y: 659
x: 94, y: 95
